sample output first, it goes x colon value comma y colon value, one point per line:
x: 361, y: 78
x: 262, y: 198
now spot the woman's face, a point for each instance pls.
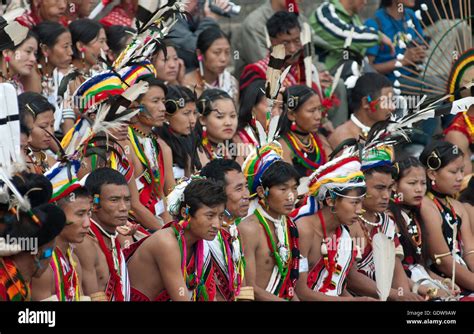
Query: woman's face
x: 92, y: 49
x: 60, y: 55
x: 52, y: 10
x: 183, y: 120
x: 40, y: 139
x: 412, y: 186
x: 448, y: 180
x: 154, y: 102
x: 217, y: 57
x: 23, y: 59
x: 167, y: 69
x: 308, y: 115
x: 221, y: 123
x: 259, y: 111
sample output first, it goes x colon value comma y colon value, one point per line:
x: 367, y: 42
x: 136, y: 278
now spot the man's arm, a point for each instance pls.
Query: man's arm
x: 249, y: 239
x: 43, y: 286
x: 86, y: 252
x: 168, y: 259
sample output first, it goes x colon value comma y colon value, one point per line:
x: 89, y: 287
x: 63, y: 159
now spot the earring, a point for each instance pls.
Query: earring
x: 83, y: 56
x: 96, y: 199
x: 293, y: 126
x: 205, y: 140
x: 7, y: 64
x: 433, y: 183
x: 332, y: 209
x: 201, y: 66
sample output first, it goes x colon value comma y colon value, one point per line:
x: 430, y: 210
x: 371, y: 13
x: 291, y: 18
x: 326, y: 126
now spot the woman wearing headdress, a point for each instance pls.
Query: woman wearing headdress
x: 302, y: 146
x: 449, y: 238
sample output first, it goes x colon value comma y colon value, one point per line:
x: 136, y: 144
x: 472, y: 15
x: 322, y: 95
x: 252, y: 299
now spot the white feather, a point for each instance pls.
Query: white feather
x: 272, y: 128
x: 336, y: 79
x: 262, y: 136
x: 384, y: 262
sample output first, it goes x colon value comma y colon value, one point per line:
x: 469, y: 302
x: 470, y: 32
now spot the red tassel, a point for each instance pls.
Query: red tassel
x: 293, y: 127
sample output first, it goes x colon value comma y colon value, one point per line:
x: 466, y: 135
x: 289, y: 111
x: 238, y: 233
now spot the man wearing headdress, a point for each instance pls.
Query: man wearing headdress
x: 62, y: 279
x: 269, y: 237
x: 175, y: 263
x: 328, y: 254
x: 19, y: 265
x: 377, y: 165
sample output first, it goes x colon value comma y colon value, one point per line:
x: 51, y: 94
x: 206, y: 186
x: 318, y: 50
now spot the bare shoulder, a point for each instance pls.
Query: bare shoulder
x: 86, y: 251
x: 305, y: 225
x: 164, y: 146
x: 341, y: 133
x: 249, y: 225
x: 162, y: 241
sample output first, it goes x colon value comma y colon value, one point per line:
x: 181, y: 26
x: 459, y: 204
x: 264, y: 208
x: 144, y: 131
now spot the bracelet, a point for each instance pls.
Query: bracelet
x: 468, y: 253
x: 432, y: 292
x: 246, y: 293
x: 438, y: 257
x: 98, y: 296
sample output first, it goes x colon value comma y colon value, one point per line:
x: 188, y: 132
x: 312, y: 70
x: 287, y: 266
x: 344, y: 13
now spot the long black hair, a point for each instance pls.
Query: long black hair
x: 181, y: 146
x: 403, y: 167
x: 293, y: 98
x: 117, y: 37
x: 209, y: 36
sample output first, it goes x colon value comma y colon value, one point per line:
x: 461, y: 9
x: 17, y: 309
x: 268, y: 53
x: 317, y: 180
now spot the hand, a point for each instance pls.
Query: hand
x: 326, y: 80
x: 387, y: 41
x: 223, y: 4
x: 414, y: 55
x: 181, y: 71
x: 128, y: 229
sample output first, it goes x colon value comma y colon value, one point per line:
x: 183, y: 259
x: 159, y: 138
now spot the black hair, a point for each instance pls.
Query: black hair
x: 85, y: 31
x: 278, y: 173
x: 34, y: 103
x: 293, y: 98
x: 177, y: 94
x: 117, y: 37
x: 103, y: 176
x: 24, y: 130
x: 381, y: 169
x: 217, y: 168
x: 369, y: 84
x: 281, y: 23
x: 48, y: 33
x: 152, y: 82
x: 386, y: 3
x: 467, y: 195
x: 438, y: 154
x: 202, y: 192
x: 51, y: 222
x: 249, y: 98
x: 403, y: 166
x: 410, y: 249
x: 80, y: 192
x: 209, y: 36
x: 36, y: 186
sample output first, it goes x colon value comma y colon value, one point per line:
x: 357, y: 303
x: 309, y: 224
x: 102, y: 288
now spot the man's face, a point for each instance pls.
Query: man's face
x: 383, y: 107
x: 206, y: 222
x: 292, y: 43
x: 379, y: 191
x: 153, y: 100
x: 77, y: 213
x: 114, y: 204
x: 237, y: 193
x: 281, y: 198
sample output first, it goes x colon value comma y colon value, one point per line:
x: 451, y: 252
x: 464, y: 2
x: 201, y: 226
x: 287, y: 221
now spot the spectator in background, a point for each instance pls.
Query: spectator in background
x: 334, y: 20
x: 44, y: 10
x: 184, y: 33
x: 122, y: 14
x: 169, y: 68
x: 79, y: 9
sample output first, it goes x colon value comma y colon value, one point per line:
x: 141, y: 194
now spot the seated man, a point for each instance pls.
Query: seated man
x: 377, y: 165
x: 229, y: 267
x: 335, y: 20
x: 269, y: 237
x: 175, y: 263
x: 62, y: 278
x: 328, y: 253
x: 284, y: 28
x: 105, y: 274
x: 371, y: 102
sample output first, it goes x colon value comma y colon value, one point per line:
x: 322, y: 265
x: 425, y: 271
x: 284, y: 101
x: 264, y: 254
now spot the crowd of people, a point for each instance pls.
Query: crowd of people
x: 142, y: 160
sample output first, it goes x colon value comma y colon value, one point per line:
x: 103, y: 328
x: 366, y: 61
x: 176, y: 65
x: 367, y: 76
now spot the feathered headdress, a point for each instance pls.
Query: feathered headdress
x: 258, y: 162
x: 176, y: 196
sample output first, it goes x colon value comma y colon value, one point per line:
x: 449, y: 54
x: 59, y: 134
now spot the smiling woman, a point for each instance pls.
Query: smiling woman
x: 19, y: 62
